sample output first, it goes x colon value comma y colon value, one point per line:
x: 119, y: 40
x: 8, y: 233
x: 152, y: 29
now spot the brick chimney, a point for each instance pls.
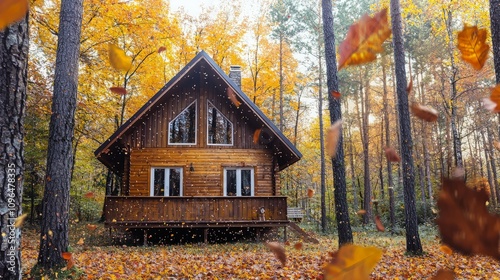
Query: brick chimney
x: 235, y: 74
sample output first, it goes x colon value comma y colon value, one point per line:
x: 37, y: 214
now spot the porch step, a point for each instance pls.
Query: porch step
x: 295, y: 228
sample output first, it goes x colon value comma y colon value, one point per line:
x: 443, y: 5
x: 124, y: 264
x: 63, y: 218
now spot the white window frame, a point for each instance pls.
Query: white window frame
x: 208, y: 129
x: 166, y: 182
x: 238, y: 180
x: 195, y: 124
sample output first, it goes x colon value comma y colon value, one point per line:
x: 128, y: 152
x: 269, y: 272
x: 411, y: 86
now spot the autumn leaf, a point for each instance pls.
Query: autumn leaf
x: 80, y: 242
x: 12, y: 11
x: 364, y: 39
x: 118, y: 90
x: 89, y: 195
x: 361, y: 212
x: 161, y: 49
x: 232, y: 96
x: 91, y: 227
x: 445, y: 249
x: 118, y: 59
x: 424, y: 113
x: 391, y: 154
x: 20, y: 220
x: 444, y: 274
x: 465, y: 225
x: 332, y: 138
x: 378, y: 224
x: 256, y: 135
x: 278, y: 251
x: 492, y: 102
x: 336, y: 94
x: 472, y: 46
x: 352, y: 262
x: 298, y: 246
x: 67, y: 255
x: 310, y: 192
x: 496, y: 144
x: 410, y: 86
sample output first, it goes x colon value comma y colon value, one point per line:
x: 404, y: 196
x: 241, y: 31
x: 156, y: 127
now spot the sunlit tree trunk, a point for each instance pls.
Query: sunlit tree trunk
x: 487, y: 154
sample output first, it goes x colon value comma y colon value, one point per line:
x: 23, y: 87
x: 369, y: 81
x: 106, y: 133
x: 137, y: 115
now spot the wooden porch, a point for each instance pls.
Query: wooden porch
x: 195, y: 212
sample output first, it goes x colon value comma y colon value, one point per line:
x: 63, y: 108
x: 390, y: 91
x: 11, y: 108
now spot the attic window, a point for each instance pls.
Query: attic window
x: 182, y: 129
x: 220, y: 129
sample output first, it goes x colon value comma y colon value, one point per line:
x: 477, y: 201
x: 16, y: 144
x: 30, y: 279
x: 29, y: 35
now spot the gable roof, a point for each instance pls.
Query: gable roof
x: 288, y: 152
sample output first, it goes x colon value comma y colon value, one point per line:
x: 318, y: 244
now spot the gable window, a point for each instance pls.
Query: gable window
x: 166, y: 181
x: 182, y: 129
x: 220, y: 129
x: 238, y: 182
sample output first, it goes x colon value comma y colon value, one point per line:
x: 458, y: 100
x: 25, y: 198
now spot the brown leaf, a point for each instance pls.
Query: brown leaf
x: 161, y: 49
x: 445, y: 249
x: 332, y: 138
x: 67, y: 255
x: 80, y: 242
x: 278, y: 251
x: 364, y: 39
x: 444, y: 274
x: 378, y: 224
x: 336, y: 94
x: 410, y: 86
x: 310, y: 192
x: 12, y: 11
x: 352, y: 262
x: 89, y: 195
x: 496, y: 144
x: 492, y: 103
x: 298, y: 246
x: 391, y: 155
x: 464, y: 222
x: 91, y: 227
x: 424, y: 113
x: 232, y: 96
x: 361, y: 212
x: 118, y: 90
x: 20, y: 220
x: 256, y: 135
x: 472, y: 46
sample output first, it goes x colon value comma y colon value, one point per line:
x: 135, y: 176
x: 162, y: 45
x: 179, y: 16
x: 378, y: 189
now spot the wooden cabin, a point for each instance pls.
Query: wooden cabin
x: 193, y: 156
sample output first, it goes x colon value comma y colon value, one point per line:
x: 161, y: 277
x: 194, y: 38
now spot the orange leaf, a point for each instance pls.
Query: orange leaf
x: 67, y: 255
x: 161, y: 49
x: 496, y: 144
x: 310, y: 192
x: 352, y: 262
x: 336, y: 94
x: 12, y: 11
x: 361, y: 212
x: 91, y: 227
x: 464, y: 222
x: 494, y: 100
x: 256, y: 135
x: 232, y: 96
x: 20, y: 220
x: 278, y: 251
x: 332, y: 138
x: 80, y: 242
x: 298, y: 246
x: 410, y: 86
x: 445, y: 249
x: 364, y: 39
x: 391, y: 155
x: 118, y: 90
x: 378, y: 224
x: 424, y: 113
x: 89, y: 195
x: 473, y: 47
x: 118, y: 59
x: 444, y: 274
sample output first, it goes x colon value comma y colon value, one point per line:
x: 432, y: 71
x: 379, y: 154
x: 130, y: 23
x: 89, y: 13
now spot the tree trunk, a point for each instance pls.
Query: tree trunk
x: 367, y: 194
x: 281, y: 81
x: 487, y: 154
x: 54, y: 229
x: 340, y: 191
x: 13, y: 86
x: 494, y: 188
x: 413, y: 244
x: 321, y: 141
x: 495, y: 37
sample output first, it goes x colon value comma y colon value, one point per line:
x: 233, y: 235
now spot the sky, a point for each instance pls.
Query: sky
x: 193, y: 7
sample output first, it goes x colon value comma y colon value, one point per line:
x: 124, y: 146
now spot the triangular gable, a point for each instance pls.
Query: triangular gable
x: 284, y: 146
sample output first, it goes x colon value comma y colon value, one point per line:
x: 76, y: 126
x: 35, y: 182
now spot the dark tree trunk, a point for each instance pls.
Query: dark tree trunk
x: 413, y: 244
x: 487, y: 154
x: 321, y: 141
x: 367, y: 193
x: 54, y: 230
x: 13, y: 86
x: 340, y: 191
x: 494, y: 188
x: 495, y: 37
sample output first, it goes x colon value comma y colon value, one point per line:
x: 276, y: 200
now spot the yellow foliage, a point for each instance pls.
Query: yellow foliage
x: 353, y: 262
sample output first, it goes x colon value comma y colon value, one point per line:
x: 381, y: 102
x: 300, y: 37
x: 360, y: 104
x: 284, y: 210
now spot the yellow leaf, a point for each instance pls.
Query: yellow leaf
x: 364, y: 39
x: 80, y: 242
x: 472, y: 46
x: 352, y: 262
x: 12, y: 11
x: 20, y: 220
x: 118, y: 59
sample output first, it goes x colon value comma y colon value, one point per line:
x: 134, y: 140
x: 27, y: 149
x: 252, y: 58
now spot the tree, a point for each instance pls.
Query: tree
x: 340, y: 191
x: 413, y: 244
x: 55, y: 215
x: 495, y: 36
x: 13, y: 85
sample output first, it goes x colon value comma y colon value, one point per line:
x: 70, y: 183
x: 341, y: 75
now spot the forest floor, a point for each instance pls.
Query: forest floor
x: 98, y: 259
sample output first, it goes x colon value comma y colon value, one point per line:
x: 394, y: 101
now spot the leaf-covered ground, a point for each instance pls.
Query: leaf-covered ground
x: 253, y: 260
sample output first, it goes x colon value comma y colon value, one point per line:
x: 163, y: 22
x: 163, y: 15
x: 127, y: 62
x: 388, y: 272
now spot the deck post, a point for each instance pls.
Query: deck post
x: 145, y: 237
x: 205, y: 235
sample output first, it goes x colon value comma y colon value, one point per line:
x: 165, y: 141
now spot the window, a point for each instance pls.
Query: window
x: 220, y: 129
x: 166, y: 181
x: 182, y: 129
x: 238, y: 182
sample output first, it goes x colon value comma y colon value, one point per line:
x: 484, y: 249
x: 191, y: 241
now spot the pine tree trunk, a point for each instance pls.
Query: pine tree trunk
x: 340, y: 191
x: 495, y: 191
x: 367, y: 194
x: 413, y: 244
x: 13, y: 86
x: 321, y: 141
x: 54, y: 229
x: 487, y: 154
x: 495, y: 37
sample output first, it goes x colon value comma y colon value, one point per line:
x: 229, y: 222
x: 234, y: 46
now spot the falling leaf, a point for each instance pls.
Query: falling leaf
x: 232, y: 96
x: 352, y: 262
x: 496, y: 144
x: 67, y: 255
x: 89, y: 195
x: 332, y: 138
x: 423, y: 112
x: 91, y: 227
x: 161, y: 49
x: 444, y: 274
x: 378, y: 224
x: 473, y: 47
x: 336, y: 94
x: 298, y: 246
x: 50, y: 233
x: 310, y: 192
x: 458, y: 172
x: 410, y: 86
x: 364, y: 39
x: 80, y: 242
x: 445, y: 249
x: 118, y: 59
x: 70, y: 264
x: 489, y: 105
x: 391, y: 155
x: 12, y: 11
x: 492, y: 102
x: 361, y: 212
x: 256, y: 135
x: 20, y: 220
x: 465, y: 225
x: 278, y: 251
x: 118, y: 90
